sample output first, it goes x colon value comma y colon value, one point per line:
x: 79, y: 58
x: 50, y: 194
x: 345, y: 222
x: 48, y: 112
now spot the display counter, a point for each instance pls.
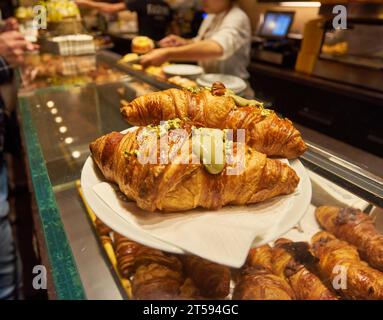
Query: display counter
x: 58, y: 123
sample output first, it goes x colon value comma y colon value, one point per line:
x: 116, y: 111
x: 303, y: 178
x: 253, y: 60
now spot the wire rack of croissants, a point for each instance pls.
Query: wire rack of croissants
x: 340, y: 262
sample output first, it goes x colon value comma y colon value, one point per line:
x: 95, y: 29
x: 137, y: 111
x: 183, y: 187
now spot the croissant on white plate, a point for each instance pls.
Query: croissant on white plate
x: 180, y: 186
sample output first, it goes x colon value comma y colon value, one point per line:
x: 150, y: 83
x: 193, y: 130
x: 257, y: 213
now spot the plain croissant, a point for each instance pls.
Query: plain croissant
x: 212, y: 279
x: 257, y: 282
x: 179, y: 187
x: 265, y: 131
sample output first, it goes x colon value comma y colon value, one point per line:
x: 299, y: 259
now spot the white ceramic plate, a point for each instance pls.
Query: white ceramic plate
x: 298, y: 205
x: 183, y: 70
x: 231, y: 82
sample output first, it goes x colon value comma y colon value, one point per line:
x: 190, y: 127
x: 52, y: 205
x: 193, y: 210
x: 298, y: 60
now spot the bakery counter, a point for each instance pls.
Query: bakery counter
x: 59, y: 122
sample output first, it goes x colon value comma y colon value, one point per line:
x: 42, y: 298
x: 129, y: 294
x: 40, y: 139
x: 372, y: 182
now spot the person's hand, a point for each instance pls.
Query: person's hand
x: 13, y: 46
x: 155, y: 58
x: 172, y: 41
x: 11, y: 24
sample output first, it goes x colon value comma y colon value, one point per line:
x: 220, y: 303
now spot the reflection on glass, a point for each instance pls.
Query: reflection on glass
x: 76, y: 154
x: 68, y: 140
x: 63, y: 129
x: 50, y: 104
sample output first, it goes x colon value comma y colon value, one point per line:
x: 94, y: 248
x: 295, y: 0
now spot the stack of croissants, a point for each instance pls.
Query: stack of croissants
x: 177, y: 186
x: 330, y: 268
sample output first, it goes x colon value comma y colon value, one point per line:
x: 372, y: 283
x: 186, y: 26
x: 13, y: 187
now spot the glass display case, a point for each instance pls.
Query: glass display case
x: 59, y: 122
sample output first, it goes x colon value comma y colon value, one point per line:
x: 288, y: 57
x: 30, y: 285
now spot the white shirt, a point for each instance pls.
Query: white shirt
x: 232, y: 31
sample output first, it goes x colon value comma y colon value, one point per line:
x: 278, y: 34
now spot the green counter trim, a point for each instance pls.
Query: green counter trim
x: 66, y: 279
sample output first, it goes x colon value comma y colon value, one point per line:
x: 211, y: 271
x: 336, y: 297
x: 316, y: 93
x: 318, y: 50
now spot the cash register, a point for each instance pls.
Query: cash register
x: 273, y: 43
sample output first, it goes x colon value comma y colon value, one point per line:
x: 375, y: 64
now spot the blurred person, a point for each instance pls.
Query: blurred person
x: 154, y: 16
x: 7, y: 8
x: 222, y: 45
x: 12, y: 48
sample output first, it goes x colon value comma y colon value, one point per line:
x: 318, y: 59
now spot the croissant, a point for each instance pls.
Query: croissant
x: 126, y: 252
x: 257, y: 282
x: 212, y: 279
x: 287, y: 262
x: 102, y: 228
x: 189, y: 291
x: 180, y: 187
x: 340, y: 263
x: 260, y: 284
x: 132, y: 255
x: 260, y: 256
x: 156, y: 282
x: 355, y: 227
x: 216, y: 108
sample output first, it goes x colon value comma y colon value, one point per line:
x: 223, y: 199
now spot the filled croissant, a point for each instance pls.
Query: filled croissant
x: 185, y: 183
x: 211, y: 279
x: 217, y: 108
x: 340, y: 263
x: 287, y: 261
x: 355, y: 227
x: 257, y: 282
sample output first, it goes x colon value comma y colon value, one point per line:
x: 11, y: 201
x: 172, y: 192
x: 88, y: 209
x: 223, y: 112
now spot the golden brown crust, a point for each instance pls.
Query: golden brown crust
x: 355, y: 227
x: 305, y: 284
x: 267, y: 133
x: 256, y: 280
x: 126, y: 253
x: 132, y: 255
x: 161, y: 186
x: 337, y: 258
x: 260, y: 256
x: 102, y: 228
x: 212, y: 279
x: 189, y: 291
x: 156, y: 282
x: 257, y: 283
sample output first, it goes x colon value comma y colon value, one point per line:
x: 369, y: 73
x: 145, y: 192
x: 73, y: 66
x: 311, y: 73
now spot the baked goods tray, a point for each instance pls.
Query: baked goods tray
x: 324, y: 192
